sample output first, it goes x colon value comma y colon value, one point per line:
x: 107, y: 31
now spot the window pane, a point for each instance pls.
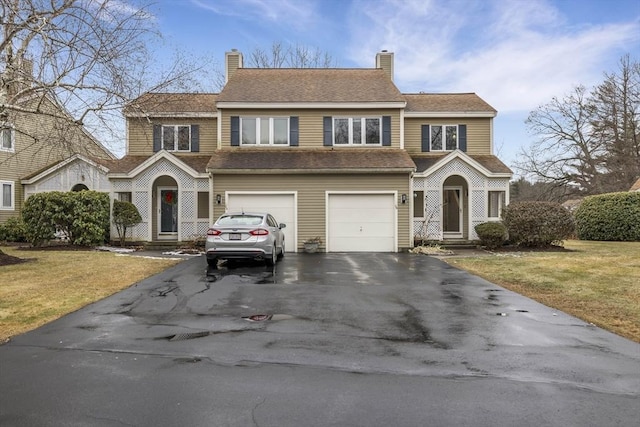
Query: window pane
x: 341, y: 129
x: 496, y: 199
x: 6, y: 139
x: 452, y: 137
x: 357, y: 131
x: 418, y: 204
x: 264, y: 130
x: 436, y: 137
x: 373, y: 131
x: 168, y: 138
x: 6, y: 195
x: 248, y: 131
x: 183, y: 138
x: 124, y: 196
x: 280, y: 131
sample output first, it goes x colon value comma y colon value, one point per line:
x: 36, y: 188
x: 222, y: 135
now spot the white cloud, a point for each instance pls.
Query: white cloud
x: 513, y: 53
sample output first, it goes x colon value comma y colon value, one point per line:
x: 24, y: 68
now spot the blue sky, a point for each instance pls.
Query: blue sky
x: 515, y: 54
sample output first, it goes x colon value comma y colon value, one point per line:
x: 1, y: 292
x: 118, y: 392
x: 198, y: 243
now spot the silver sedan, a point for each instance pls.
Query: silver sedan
x: 255, y: 236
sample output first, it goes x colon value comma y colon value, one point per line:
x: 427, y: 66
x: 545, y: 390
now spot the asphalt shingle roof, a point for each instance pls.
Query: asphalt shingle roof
x: 173, y: 103
x: 446, y: 102
x: 491, y: 163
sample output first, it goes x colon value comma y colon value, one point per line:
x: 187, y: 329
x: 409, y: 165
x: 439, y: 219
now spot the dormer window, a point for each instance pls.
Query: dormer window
x: 264, y: 131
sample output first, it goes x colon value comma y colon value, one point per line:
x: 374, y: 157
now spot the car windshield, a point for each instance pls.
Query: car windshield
x: 240, y: 220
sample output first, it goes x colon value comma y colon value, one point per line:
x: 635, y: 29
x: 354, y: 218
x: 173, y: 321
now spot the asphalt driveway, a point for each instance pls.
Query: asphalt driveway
x: 321, y: 340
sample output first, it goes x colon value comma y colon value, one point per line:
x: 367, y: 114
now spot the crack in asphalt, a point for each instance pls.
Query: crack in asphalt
x: 255, y: 408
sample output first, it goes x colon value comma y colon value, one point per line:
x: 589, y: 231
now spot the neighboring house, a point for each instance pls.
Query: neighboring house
x: 45, y: 151
x: 635, y: 186
x: 337, y: 153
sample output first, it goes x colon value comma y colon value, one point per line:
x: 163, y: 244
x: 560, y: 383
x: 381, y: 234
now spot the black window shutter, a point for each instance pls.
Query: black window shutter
x: 462, y: 137
x: 327, y: 131
x: 235, y: 131
x: 195, y: 138
x: 425, y: 138
x: 386, y: 131
x: 293, y: 131
x: 157, y: 138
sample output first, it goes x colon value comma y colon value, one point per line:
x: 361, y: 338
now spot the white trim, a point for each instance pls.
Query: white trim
x: 310, y: 105
x: 491, y: 144
x: 450, y: 114
x: 270, y: 193
x: 12, y: 206
x: 61, y: 165
x: 162, y: 154
x: 166, y: 235
x: 219, y: 129
x: 393, y: 193
x: 458, y: 154
x: 271, y: 131
x: 157, y: 114
x: 401, y: 129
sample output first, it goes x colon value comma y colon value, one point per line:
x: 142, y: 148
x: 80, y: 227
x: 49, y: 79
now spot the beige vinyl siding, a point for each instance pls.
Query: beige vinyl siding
x: 310, y: 123
x: 478, y: 133
x: 311, y: 193
x: 140, y: 133
x: 39, y: 142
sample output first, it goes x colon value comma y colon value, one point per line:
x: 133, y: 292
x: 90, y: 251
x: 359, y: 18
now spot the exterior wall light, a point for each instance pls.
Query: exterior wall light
x: 218, y: 199
x: 404, y: 199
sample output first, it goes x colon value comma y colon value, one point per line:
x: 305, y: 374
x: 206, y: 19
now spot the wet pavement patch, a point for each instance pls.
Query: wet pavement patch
x: 522, y: 311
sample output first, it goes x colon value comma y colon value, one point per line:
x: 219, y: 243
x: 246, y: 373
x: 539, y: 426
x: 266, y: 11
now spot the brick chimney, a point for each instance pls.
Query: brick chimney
x: 232, y: 61
x: 384, y: 60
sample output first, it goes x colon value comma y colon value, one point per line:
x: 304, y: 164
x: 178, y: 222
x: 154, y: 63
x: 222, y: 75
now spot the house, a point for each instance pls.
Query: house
x: 43, y: 149
x: 337, y: 153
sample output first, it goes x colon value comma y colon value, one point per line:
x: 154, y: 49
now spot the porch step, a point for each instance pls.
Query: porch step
x: 162, y: 245
x: 458, y: 244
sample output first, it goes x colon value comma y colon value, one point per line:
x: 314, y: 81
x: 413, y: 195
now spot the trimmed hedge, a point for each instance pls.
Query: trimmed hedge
x: 537, y: 224
x: 610, y: 217
x: 83, y: 216
x: 492, y: 234
x: 125, y: 215
x: 13, y: 230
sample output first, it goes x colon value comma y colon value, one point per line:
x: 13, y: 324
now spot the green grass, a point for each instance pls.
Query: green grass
x: 598, y: 282
x: 55, y: 283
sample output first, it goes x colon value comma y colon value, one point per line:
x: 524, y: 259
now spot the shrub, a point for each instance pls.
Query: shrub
x: 13, y: 230
x: 125, y: 215
x: 612, y: 217
x: 82, y: 216
x: 492, y: 234
x: 537, y: 224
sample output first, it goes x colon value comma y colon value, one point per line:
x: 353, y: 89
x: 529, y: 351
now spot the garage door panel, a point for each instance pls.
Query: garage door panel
x: 361, y: 223
x: 281, y: 206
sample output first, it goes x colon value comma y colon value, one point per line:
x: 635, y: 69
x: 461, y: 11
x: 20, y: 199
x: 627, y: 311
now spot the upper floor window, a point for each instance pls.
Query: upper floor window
x: 6, y: 139
x: 444, y: 138
x: 176, y: 138
x: 356, y: 131
x: 6, y: 195
x: 264, y: 130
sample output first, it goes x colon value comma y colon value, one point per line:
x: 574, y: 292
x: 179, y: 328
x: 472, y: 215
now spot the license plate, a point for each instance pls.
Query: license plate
x: 234, y: 236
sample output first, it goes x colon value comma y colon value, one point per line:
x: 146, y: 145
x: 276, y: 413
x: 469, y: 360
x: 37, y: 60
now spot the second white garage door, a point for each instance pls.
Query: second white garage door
x: 281, y: 206
x: 361, y: 223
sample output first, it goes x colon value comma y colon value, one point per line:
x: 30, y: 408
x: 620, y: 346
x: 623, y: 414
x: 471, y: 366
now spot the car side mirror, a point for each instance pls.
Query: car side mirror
x: 281, y: 226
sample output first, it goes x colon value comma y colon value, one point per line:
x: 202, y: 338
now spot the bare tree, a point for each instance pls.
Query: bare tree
x: 88, y: 57
x: 588, y: 139
x: 292, y: 56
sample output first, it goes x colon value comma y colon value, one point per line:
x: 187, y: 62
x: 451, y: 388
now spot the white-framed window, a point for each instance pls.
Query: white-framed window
x: 7, y: 137
x: 264, y: 131
x: 443, y: 137
x: 176, y: 137
x: 357, y: 131
x: 6, y: 195
x: 496, y: 203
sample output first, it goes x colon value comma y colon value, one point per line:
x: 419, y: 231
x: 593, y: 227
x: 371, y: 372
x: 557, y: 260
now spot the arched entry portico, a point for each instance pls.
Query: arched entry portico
x: 454, y: 208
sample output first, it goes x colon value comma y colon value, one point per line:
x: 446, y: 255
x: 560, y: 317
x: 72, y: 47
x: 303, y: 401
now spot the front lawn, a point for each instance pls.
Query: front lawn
x: 598, y: 282
x: 54, y: 283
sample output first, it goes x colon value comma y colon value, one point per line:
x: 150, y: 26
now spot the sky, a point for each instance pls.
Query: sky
x: 515, y: 54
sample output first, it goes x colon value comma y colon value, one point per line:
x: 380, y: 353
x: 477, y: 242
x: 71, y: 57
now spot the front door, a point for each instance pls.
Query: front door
x: 452, y: 212
x: 168, y: 213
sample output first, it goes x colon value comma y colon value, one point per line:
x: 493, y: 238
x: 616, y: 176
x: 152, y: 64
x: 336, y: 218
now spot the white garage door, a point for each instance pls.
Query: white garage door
x: 281, y: 206
x: 361, y: 223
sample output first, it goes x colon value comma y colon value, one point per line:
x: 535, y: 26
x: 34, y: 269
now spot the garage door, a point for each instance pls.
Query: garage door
x: 361, y: 223
x: 281, y: 206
